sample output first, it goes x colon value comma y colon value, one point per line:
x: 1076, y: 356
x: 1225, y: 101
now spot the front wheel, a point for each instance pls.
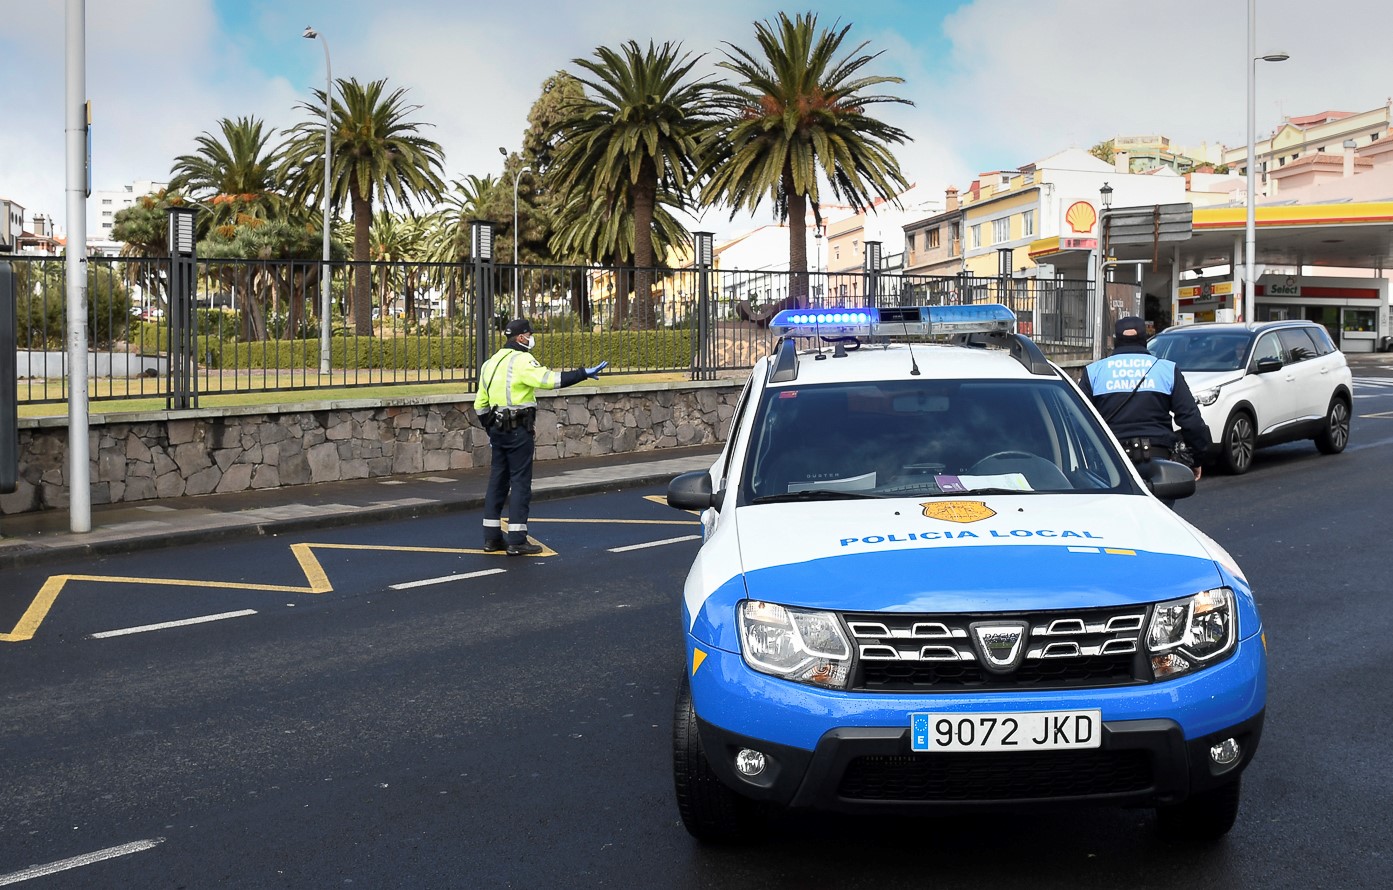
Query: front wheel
x: 1206, y: 816
x: 1239, y: 443
x: 1334, y: 435
x: 710, y: 811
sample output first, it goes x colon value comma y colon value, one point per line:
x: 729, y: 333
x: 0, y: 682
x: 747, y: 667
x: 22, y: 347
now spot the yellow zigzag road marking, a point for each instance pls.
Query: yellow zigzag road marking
x: 317, y: 581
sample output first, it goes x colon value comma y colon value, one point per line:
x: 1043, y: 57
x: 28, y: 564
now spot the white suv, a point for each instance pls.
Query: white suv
x: 1263, y: 384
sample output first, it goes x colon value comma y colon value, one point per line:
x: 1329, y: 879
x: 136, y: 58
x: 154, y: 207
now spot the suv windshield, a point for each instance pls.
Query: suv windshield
x: 926, y: 438
x: 1201, y: 350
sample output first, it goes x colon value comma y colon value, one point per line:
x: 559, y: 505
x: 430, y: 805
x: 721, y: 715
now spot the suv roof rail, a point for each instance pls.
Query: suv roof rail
x: 1021, y: 347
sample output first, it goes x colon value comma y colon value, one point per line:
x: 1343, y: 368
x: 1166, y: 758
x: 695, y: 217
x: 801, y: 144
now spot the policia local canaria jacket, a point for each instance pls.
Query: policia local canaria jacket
x: 1136, y: 393
x: 509, y: 380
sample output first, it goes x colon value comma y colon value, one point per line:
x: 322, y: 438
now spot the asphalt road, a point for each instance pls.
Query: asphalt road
x: 512, y: 729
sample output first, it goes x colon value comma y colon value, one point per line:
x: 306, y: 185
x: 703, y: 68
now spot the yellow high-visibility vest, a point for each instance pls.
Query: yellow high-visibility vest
x: 510, y: 379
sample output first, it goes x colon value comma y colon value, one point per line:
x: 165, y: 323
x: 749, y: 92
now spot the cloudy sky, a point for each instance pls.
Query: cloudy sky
x: 995, y: 83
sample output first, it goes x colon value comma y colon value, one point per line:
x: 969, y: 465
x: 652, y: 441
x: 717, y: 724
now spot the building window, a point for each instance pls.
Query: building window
x: 909, y: 241
x: 106, y: 201
x: 1373, y: 137
x: 933, y: 237
x: 1028, y: 224
x: 974, y: 236
x: 1001, y: 230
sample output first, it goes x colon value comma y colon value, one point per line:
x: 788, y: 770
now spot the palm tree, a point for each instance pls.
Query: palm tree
x: 797, y: 114
x: 397, y: 240
x: 636, y: 137
x: 446, y: 237
x: 234, y: 176
x: 378, y: 154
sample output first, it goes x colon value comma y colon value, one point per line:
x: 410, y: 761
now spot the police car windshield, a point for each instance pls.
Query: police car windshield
x: 1201, y: 350
x: 927, y: 438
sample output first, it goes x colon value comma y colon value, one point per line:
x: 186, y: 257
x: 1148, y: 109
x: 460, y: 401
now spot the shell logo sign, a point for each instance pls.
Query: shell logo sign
x: 1081, y: 217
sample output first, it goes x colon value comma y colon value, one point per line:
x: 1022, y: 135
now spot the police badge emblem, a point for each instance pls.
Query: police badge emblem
x: 957, y: 511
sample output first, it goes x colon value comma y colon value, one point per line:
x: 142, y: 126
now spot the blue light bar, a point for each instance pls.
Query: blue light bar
x: 968, y: 319
x: 829, y: 322
x: 894, y: 320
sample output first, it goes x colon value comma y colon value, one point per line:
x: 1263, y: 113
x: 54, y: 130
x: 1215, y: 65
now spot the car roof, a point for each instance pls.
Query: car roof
x: 1220, y: 327
x: 896, y: 361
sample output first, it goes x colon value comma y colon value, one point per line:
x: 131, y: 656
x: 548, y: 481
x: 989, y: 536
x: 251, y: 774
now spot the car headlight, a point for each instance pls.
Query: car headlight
x: 1188, y: 634
x: 795, y: 644
x: 1207, y: 396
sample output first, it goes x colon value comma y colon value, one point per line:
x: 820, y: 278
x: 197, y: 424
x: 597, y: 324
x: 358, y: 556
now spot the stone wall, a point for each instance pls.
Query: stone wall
x: 169, y: 454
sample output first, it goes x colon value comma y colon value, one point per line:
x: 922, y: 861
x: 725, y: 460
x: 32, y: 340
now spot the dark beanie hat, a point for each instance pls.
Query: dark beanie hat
x: 1130, y: 330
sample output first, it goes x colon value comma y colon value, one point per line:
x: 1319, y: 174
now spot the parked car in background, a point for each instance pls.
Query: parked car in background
x: 1263, y: 384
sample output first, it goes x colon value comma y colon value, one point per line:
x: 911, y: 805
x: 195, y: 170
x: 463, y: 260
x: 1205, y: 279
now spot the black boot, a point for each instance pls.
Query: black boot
x: 494, y: 545
x: 519, y: 545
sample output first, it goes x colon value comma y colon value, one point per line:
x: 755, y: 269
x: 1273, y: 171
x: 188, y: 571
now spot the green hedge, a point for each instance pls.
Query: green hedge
x: 624, y: 350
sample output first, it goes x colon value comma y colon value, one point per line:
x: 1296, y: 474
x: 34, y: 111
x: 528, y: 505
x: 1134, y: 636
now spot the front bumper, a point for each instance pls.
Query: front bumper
x: 851, y: 751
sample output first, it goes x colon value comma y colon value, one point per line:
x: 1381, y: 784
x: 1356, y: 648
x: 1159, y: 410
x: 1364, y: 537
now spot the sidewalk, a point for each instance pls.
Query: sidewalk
x: 34, y: 538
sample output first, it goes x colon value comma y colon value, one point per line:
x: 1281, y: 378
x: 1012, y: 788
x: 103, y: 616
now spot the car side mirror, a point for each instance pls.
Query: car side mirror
x: 692, y: 491
x: 1169, y: 480
x: 1268, y: 365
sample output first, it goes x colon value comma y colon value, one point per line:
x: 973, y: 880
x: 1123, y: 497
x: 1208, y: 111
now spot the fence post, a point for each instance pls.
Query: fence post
x: 183, y: 321
x: 703, y: 366
x: 873, y: 273
x: 481, y: 252
x: 9, y: 384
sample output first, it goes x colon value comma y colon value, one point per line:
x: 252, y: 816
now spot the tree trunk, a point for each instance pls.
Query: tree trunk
x: 645, y: 195
x: 797, y: 242
x: 362, y: 274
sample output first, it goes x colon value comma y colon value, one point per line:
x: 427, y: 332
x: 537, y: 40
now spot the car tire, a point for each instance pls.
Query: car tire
x: 711, y: 812
x: 1239, y: 442
x: 1334, y: 435
x: 1206, y: 816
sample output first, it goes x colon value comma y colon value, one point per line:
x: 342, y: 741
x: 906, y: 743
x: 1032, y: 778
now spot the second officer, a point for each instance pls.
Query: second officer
x: 507, y: 407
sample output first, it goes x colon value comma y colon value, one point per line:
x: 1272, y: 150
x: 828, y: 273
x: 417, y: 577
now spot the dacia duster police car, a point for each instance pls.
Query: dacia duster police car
x: 931, y: 580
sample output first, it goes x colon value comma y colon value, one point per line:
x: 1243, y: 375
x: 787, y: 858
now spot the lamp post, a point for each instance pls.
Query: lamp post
x: 517, y: 294
x: 1100, y: 272
x: 1250, y: 230
x: 324, y: 302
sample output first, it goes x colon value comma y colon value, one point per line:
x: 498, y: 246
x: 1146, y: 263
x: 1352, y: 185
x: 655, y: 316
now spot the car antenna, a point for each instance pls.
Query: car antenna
x: 817, y: 335
x: 913, y: 365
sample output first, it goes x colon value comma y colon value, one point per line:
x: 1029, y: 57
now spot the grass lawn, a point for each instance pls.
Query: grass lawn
x: 105, y: 395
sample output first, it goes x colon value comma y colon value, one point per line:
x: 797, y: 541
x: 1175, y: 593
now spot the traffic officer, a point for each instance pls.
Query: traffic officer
x: 1137, y: 393
x: 507, y: 407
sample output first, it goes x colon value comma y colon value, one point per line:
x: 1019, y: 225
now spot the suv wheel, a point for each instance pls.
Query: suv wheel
x: 1334, y: 436
x: 1240, y: 440
x: 710, y: 811
x: 1206, y: 816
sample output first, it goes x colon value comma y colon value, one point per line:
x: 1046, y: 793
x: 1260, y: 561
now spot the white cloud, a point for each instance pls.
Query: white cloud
x: 1021, y: 78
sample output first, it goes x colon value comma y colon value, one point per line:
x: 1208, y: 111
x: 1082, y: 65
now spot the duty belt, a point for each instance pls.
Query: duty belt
x: 508, y: 419
x: 1139, y: 451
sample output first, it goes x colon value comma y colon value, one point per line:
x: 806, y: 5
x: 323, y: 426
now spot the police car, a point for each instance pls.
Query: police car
x: 930, y: 581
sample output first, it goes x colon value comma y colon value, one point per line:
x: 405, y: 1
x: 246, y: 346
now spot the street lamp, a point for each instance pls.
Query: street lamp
x: 517, y: 295
x: 1250, y: 231
x: 324, y: 303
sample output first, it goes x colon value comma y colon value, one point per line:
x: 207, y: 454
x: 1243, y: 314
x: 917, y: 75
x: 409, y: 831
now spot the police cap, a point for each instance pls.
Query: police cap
x: 517, y: 326
x: 1130, y: 329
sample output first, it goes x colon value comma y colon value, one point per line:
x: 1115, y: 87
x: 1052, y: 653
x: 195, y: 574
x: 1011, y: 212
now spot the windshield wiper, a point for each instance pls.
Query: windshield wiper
x: 973, y: 491
x: 818, y: 494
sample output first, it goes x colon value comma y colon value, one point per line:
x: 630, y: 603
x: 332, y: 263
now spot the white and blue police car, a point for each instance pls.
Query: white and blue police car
x: 931, y: 580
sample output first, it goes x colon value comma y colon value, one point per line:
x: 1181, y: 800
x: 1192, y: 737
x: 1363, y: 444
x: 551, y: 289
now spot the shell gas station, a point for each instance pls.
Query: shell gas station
x: 1318, y: 262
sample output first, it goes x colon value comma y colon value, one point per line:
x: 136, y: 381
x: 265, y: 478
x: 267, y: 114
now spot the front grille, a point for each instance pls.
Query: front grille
x: 1077, y: 648
x: 990, y: 776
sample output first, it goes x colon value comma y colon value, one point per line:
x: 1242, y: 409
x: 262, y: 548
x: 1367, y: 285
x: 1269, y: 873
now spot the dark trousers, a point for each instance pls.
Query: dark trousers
x: 510, y: 479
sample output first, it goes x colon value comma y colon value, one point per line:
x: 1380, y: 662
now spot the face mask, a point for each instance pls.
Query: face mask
x: 531, y: 342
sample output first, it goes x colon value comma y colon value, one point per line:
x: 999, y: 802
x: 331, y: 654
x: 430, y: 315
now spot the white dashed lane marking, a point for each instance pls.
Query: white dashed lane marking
x: 39, y: 871
x: 655, y: 543
x: 407, y: 585
x: 202, y: 619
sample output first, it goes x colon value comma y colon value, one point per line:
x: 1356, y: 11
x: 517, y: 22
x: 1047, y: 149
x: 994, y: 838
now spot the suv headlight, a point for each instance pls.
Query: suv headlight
x: 1188, y: 634
x: 795, y: 644
x: 1207, y: 396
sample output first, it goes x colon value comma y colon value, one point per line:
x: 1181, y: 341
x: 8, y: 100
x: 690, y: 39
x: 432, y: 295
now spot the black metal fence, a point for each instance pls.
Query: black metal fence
x: 256, y: 326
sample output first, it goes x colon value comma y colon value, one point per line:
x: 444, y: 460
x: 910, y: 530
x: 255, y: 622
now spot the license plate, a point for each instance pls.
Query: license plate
x: 1015, y: 731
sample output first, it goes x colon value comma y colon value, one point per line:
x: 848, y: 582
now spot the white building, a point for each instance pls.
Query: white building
x: 11, y: 224
x: 104, y: 205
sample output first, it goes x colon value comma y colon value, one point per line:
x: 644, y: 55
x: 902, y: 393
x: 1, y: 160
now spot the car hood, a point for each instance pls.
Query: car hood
x: 990, y: 553
x: 1198, y: 380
